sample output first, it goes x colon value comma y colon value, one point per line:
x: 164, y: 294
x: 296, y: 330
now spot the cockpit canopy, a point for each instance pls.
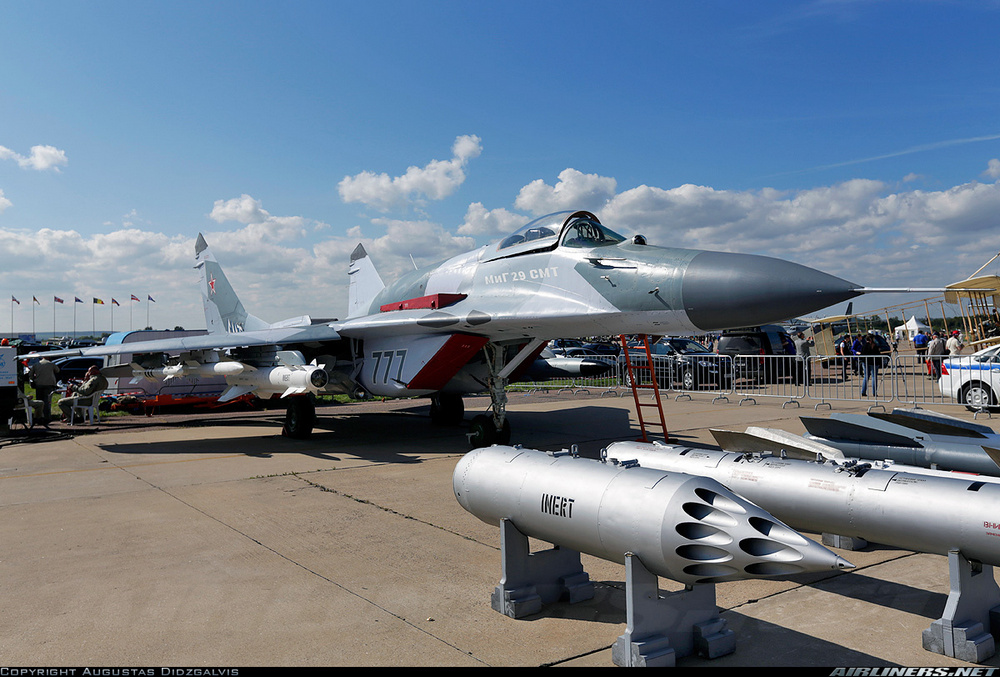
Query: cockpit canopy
x: 570, y: 229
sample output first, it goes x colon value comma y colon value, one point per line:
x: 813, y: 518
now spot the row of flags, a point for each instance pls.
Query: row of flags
x: 97, y: 301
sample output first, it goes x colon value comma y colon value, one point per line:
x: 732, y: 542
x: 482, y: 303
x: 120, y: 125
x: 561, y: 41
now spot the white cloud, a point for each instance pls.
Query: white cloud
x: 4, y: 202
x: 248, y: 211
x: 480, y: 221
x: 41, y: 158
x: 993, y: 169
x: 859, y: 229
x: 574, y: 190
x: 394, y: 253
x: 436, y: 181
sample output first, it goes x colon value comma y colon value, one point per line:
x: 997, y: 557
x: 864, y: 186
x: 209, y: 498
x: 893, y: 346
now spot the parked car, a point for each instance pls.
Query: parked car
x: 972, y: 380
x: 603, y: 348
x: 749, y: 347
x: 565, y: 347
x: 75, y: 368
x: 677, y: 361
x: 580, y: 348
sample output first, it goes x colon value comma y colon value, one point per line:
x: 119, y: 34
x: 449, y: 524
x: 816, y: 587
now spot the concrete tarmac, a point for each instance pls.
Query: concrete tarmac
x: 210, y: 540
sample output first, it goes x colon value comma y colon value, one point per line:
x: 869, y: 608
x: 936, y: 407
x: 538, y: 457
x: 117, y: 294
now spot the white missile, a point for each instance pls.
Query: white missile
x: 191, y: 370
x: 243, y: 378
x: 267, y: 381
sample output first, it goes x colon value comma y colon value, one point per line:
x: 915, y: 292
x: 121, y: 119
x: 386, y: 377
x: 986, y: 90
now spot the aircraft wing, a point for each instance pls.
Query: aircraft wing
x: 259, y: 337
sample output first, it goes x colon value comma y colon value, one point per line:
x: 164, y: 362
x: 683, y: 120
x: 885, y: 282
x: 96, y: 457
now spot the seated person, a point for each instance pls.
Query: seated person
x: 94, y: 384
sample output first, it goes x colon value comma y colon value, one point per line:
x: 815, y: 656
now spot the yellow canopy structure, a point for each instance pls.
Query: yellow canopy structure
x: 977, y: 297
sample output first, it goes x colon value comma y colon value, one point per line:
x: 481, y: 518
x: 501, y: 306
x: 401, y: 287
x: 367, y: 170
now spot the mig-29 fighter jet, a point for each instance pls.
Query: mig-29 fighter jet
x: 473, y: 322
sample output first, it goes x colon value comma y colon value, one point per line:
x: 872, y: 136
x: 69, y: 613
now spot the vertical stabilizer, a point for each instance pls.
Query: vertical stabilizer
x: 365, y: 283
x: 223, y: 311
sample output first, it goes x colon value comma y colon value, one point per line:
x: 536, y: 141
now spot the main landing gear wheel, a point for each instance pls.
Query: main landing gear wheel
x: 300, y: 417
x: 447, y: 409
x: 483, y: 432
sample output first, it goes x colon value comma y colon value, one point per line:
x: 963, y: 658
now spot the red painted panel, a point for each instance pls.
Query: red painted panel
x: 431, y: 302
x: 452, y: 356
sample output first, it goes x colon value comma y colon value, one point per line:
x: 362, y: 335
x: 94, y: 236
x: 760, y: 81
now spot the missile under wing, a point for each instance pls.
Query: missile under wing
x: 476, y: 321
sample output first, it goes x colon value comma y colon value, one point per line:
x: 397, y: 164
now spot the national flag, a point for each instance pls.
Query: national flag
x: 35, y: 299
x: 99, y: 302
x: 57, y: 299
x: 136, y: 298
x: 115, y: 302
x: 150, y: 298
x: 14, y: 300
x: 78, y: 299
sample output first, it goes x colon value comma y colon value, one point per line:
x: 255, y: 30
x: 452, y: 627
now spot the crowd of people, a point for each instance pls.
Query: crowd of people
x: 864, y: 356
x: 934, y: 346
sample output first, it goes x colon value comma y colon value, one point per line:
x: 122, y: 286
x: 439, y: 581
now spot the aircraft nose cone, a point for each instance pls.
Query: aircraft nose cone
x: 722, y: 290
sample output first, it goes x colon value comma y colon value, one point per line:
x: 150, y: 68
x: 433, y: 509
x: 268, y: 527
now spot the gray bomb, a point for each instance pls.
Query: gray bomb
x: 918, y: 512
x: 683, y: 527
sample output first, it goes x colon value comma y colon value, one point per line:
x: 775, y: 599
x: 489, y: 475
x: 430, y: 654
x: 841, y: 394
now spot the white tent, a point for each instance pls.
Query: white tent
x: 910, y: 329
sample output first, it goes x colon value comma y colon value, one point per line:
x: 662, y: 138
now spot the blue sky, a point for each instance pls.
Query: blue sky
x: 858, y: 137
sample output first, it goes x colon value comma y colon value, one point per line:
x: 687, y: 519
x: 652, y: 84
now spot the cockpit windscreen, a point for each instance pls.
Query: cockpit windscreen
x: 580, y: 232
x: 588, y: 233
x: 545, y: 228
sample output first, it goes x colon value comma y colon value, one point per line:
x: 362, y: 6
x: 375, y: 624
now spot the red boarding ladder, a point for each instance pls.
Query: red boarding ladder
x: 637, y: 384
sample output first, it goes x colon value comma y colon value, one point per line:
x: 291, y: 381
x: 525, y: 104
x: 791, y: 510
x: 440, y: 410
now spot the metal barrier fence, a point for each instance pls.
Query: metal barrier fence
x: 875, y: 380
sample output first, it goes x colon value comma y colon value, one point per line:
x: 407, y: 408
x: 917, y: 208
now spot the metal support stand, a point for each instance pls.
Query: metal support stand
x: 661, y: 629
x: 964, y: 632
x: 531, y: 579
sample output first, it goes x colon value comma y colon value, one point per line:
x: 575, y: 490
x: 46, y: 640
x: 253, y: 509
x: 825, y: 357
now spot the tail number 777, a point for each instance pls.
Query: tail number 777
x: 390, y: 357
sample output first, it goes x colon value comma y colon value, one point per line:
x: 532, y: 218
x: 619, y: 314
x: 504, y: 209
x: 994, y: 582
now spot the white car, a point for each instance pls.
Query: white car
x: 972, y: 380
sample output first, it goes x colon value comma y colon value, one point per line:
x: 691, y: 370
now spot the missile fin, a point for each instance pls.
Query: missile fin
x: 865, y: 430
x: 139, y: 372
x: 764, y: 440
x: 294, y: 391
x: 994, y: 454
x: 232, y: 392
x: 933, y: 423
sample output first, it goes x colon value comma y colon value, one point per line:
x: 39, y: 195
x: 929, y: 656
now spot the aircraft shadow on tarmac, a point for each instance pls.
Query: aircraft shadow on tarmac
x: 390, y: 436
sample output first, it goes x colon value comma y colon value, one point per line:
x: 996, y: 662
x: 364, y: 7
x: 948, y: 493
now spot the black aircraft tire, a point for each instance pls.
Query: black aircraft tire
x: 482, y: 432
x: 300, y: 417
x: 447, y: 409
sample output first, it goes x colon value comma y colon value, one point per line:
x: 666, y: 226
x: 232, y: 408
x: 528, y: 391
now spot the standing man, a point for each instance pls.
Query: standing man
x: 920, y: 342
x: 43, y: 377
x: 803, y: 349
x: 954, y: 344
x: 935, y: 353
